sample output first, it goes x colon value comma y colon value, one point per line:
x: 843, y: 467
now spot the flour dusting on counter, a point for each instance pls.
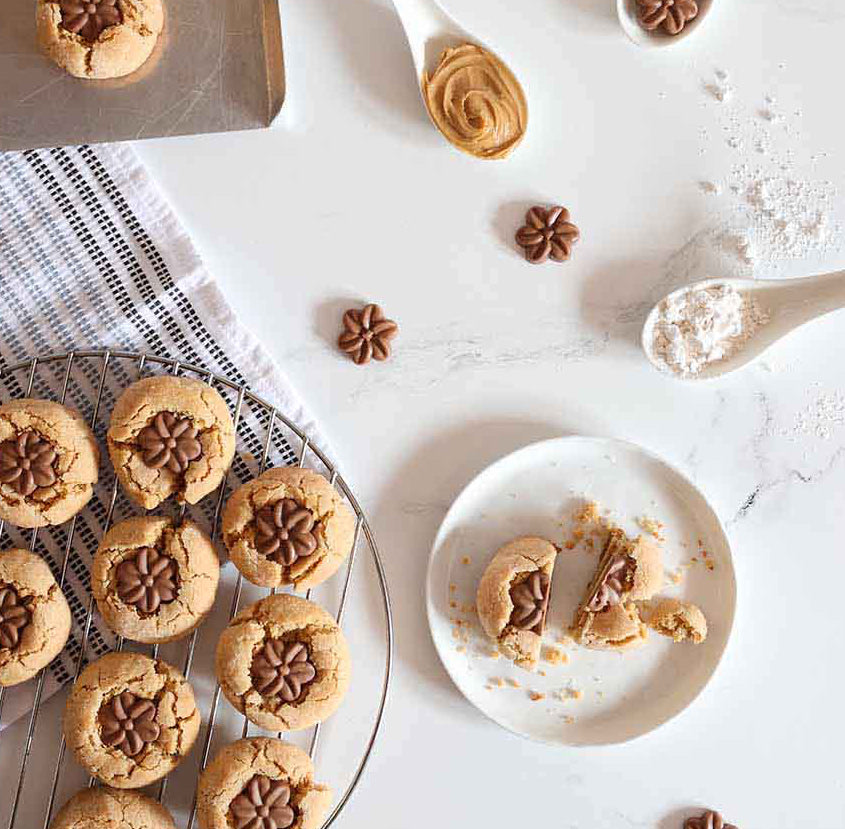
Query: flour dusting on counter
x: 700, y: 326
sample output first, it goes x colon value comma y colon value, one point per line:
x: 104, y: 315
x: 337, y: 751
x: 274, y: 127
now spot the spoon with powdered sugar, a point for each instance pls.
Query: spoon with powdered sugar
x: 716, y: 326
x: 656, y: 23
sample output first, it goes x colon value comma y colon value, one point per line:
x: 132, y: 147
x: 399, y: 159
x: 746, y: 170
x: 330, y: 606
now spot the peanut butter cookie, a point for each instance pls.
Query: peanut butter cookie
x: 628, y: 571
x: 170, y: 435
x: 260, y: 783
x: 103, y: 808
x: 682, y: 621
x: 154, y: 581
x: 513, y: 597
x: 48, y: 463
x: 129, y: 719
x: 99, y: 38
x: 34, y: 616
x: 283, y: 662
x: 289, y: 526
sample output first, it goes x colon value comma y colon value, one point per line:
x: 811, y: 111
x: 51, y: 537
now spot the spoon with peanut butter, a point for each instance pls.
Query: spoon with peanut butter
x: 471, y: 96
x: 656, y: 23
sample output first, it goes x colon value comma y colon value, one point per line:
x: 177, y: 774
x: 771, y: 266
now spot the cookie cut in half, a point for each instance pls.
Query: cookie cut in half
x: 682, y: 621
x: 513, y: 597
x: 628, y: 571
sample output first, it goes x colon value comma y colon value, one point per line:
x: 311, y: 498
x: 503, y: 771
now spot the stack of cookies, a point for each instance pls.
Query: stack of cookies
x: 283, y: 662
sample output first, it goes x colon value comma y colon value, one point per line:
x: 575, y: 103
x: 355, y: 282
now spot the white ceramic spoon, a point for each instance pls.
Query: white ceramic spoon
x: 429, y: 30
x: 789, y: 303
x: 629, y: 20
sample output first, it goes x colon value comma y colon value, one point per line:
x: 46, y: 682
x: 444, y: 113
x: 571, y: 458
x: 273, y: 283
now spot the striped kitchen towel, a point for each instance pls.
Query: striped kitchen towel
x: 91, y: 256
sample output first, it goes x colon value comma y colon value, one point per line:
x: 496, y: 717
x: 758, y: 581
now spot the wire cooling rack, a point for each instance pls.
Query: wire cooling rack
x: 90, y: 381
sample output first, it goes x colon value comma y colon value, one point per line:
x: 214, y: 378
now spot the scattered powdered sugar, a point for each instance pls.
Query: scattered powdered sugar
x: 697, y: 327
x: 770, y: 213
x: 822, y: 417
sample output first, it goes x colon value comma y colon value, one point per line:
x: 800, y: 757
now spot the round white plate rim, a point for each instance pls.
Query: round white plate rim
x: 489, y: 470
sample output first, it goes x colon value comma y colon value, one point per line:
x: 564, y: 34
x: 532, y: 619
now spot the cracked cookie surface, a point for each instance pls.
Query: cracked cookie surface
x: 124, y: 581
x: 231, y: 771
x: 147, y: 679
x: 329, y: 522
x: 289, y: 619
x: 74, y: 466
x: 103, y: 808
x: 116, y: 51
x: 146, y: 482
x: 513, y: 564
x: 44, y: 626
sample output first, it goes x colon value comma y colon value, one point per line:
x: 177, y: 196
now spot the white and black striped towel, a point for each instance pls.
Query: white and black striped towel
x: 91, y: 256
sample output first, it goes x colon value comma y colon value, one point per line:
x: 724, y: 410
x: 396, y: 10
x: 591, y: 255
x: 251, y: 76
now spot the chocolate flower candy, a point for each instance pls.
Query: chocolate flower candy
x: 609, y: 591
x: 263, y: 804
x: 285, y: 532
x: 169, y: 441
x: 367, y: 334
x: 709, y: 820
x: 147, y: 579
x: 28, y: 462
x: 547, y: 233
x: 670, y: 15
x: 282, y: 668
x: 530, y: 599
x: 15, y: 615
x: 129, y: 723
x: 87, y: 18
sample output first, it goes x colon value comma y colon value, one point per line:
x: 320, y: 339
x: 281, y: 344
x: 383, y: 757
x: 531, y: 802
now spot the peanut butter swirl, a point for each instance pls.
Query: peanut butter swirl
x: 476, y: 102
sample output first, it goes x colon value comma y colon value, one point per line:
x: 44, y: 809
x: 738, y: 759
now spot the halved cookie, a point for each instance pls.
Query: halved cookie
x: 628, y: 571
x: 682, y: 621
x: 513, y: 597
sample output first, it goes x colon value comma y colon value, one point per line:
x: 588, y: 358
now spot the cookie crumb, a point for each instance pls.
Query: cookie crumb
x: 453, y: 604
x: 514, y: 683
x: 555, y: 656
x: 496, y: 682
x: 535, y: 696
x: 466, y: 560
x: 453, y: 587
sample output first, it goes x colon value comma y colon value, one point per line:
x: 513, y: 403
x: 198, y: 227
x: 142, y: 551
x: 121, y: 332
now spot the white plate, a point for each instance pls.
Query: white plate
x: 530, y: 492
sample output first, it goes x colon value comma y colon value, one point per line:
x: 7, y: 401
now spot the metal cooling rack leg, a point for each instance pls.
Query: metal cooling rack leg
x: 39, y: 688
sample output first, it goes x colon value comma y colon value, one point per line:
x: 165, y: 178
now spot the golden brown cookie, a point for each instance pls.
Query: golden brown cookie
x: 34, y: 616
x: 513, y: 597
x: 129, y: 719
x: 288, y: 526
x: 261, y: 776
x: 617, y: 627
x: 103, y: 808
x: 284, y: 663
x: 99, y: 38
x: 48, y: 463
x: 170, y: 436
x: 154, y: 581
x: 682, y: 621
x: 628, y: 571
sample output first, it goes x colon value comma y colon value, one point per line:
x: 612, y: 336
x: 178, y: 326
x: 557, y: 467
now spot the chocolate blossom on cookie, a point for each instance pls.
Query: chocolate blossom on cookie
x: 283, y: 662
x: 289, y: 526
x: 154, y: 580
x: 130, y: 720
x: 48, y: 463
x: 261, y: 783
x: 170, y: 436
x: 34, y: 616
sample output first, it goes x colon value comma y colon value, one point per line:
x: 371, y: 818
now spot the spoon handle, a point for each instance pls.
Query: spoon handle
x: 814, y: 296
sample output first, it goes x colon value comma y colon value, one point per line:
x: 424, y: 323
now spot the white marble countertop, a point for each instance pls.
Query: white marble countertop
x: 353, y: 196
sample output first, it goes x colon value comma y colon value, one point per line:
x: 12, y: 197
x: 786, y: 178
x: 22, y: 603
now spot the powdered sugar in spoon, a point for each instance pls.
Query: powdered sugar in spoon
x: 786, y: 303
x: 629, y: 19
